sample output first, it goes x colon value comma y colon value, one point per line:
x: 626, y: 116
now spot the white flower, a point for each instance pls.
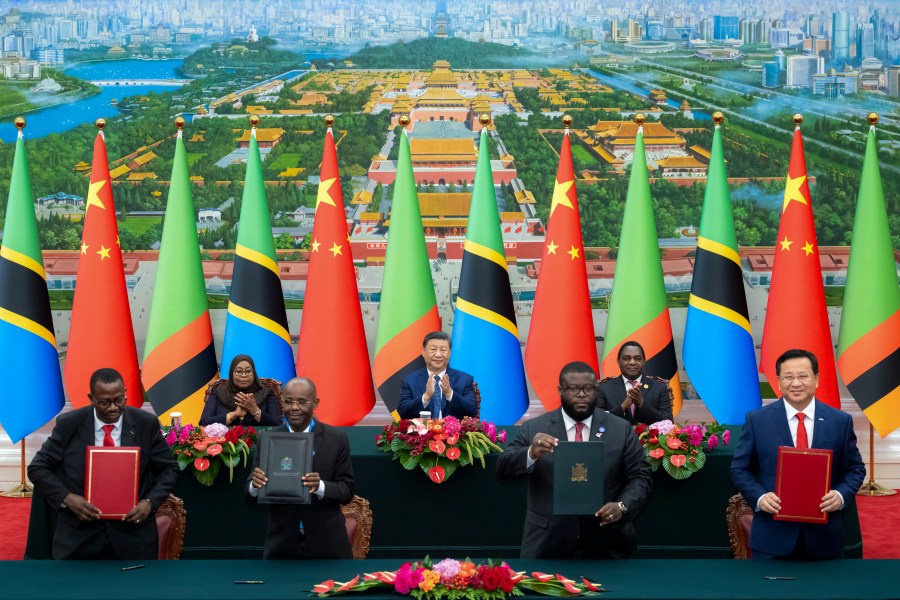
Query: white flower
x: 215, y: 430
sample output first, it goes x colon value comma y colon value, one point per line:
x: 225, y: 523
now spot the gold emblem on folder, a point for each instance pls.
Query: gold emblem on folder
x: 579, y: 473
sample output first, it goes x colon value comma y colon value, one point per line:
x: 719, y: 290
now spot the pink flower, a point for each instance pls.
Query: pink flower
x: 726, y: 436
x: 489, y: 430
x: 712, y: 442
x: 657, y: 453
x: 452, y: 426
x: 662, y: 427
x: 447, y: 568
x: 171, y: 437
x: 407, y: 579
x: 502, y: 436
x: 185, y: 433
x: 215, y: 430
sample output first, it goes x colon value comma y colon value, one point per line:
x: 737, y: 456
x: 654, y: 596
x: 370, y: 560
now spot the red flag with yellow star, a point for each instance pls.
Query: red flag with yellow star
x: 332, y: 349
x: 562, y: 328
x: 100, y: 333
x: 796, y: 315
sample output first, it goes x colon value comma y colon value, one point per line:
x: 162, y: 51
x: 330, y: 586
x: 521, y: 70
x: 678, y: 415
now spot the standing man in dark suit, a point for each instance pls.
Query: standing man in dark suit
x: 57, y: 471
x: 443, y: 391
x: 609, y: 533
x: 797, y: 420
x: 634, y: 396
x: 315, y: 530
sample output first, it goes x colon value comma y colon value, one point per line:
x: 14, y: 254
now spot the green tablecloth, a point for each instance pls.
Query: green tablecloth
x: 676, y: 579
x: 479, y: 516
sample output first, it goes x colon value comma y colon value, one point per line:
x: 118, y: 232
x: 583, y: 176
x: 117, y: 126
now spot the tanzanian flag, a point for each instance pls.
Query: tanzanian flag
x: 27, y: 340
x: 408, y: 310
x: 257, y: 322
x: 637, y: 308
x: 718, y: 343
x: 179, y: 357
x: 869, y: 339
x: 485, y: 335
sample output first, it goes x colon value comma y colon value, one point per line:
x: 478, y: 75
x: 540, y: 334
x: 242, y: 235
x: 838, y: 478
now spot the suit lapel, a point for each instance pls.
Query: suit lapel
x: 558, y: 426
x: 128, y: 433
x: 779, y: 422
x: 86, y: 428
x: 819, y: 426
x: 598, y: 422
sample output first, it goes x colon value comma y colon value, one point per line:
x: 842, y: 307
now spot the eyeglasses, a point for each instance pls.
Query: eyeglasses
x: 292, y: 403
x: 575, y: 390
x: 802, y: 378
x: 243, y: 372
x: 104, y: 403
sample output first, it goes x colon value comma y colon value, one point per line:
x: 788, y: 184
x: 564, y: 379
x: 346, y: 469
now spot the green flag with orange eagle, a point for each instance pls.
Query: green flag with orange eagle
x: 408, y: 309
x: 637, y: 308
x: 869, y: 340
x: 331, y: 332
x: 179, y: 357
x: 562, y: 327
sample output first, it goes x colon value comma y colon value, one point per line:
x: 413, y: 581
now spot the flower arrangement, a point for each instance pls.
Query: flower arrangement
x: 680, y: 448
x: 455, y: 580
x: 439, y: 446
x: 207, y: 449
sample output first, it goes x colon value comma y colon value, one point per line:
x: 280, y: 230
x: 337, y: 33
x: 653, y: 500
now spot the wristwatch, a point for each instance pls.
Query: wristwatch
x: 622, y: 507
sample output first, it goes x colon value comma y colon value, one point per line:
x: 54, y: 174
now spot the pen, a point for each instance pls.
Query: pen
x: 776, y: 578
x: 133, y: 567
x: 249, y: 581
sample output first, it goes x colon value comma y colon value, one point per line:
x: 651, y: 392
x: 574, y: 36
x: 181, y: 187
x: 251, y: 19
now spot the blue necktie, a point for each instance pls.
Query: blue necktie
x: 436, y: 399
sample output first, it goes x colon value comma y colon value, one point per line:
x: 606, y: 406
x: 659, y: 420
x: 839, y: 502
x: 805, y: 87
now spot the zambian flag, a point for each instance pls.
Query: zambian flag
x: 27, y: 340
x: 637, y: 307
x: 408, y: 309
x: 869, y: 339
x: 257, y: 322
x: 485, y: 335
x: 718, y: 343
x: 179, y: 357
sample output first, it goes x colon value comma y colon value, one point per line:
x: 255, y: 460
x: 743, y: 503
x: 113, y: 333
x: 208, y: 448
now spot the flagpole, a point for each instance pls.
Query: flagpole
x: 872, y: 487
x: 24, y: 489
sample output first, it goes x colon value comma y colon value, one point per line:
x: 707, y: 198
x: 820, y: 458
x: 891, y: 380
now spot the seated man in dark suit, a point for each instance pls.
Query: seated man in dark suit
x: 315, y: 530
x: 609, y: 533
x: 632, y: 395
x: 57, y: 471
x: 801, y: 421
x: 437, y: 388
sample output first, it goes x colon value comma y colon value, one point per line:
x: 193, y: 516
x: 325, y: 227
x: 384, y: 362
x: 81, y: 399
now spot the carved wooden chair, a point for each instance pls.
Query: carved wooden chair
x: 171, y: 519
x: 739, y: 518
x: 358, y: 517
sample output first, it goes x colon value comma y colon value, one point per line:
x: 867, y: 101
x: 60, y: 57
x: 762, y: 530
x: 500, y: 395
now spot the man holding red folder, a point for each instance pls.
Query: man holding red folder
x: 797, y: 420
x: 58, y: 474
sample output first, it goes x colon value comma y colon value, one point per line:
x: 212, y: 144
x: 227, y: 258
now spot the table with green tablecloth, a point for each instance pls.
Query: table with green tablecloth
x: 470, y: 514
x: 676, y: 579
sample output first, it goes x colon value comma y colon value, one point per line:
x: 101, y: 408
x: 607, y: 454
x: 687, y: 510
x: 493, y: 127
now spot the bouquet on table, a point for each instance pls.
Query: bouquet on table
x: 455, y: 580
x: 439, y: 446
x: 207, y: 449
x: 680, y: 448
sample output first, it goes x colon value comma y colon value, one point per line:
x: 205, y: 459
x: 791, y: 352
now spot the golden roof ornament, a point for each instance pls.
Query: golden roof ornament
x: 254, y: 120
x: 798, y: 119
x: 100, y: 123
x: 640, y: 119
x: 718, y: 117
x: 180, y: 122
x: 484, y: 119
x: 329, y: 120
x: 20, y: 123
x: 567, y: 121
x: 404, y: 120
x: 872, y: 118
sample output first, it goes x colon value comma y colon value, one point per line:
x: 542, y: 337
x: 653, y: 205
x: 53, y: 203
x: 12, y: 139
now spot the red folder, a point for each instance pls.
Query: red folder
x: 803, y: 478
x: 111, y: 479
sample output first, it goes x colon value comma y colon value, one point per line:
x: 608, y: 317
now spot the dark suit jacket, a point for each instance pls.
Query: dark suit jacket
x: 58, y: 469
x: 324, y: 525
x: 216, y: 412
x: 754, y: 466
x: 657, y: 405
x: 627, y: 479
x: 413, y: 386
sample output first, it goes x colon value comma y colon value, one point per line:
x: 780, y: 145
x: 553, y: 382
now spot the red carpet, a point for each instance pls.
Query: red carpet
x: 879, y: 518
x: 13, y: 527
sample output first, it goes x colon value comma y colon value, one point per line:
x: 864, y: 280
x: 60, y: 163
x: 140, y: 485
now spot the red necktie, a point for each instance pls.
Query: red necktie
x: 107, y: 435
x: 802, y: 440
x: 579, y: 432
x: 632, y: 383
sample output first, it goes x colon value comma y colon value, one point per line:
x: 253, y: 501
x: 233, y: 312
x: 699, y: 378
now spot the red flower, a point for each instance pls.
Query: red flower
x: 453, y: 453
x: 490, y: 579
x: 654, y: 432
x: 673, y: 442
x: 436, y: 446
x: 453, y: 439
x: 640, y: 428
x: 653, y: 439
x: 436, y: 474
x: 678, y: 460
x: 657, y: 453
x: 214, y: 450
x: 201, y: 445
x: 201, y: 464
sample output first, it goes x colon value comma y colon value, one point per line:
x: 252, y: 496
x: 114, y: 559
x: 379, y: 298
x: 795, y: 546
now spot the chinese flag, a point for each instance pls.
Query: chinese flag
x: 796, y: 316
x: 332, y: 349
x: 562, y: 327
x: 101, y: 334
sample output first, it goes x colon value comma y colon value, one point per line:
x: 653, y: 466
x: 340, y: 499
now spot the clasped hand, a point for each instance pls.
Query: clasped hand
x: 634, y: 396
x: 771, y: 503
x: 445, y: 387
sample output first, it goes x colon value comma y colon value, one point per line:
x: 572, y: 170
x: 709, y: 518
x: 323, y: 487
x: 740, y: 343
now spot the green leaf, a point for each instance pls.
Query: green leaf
x: 184, y: 461
x: 230, y: 460
x: 208, y: 476
x: 408, y: 462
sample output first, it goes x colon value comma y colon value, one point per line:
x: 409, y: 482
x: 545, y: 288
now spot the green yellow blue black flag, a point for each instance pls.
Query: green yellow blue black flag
x: 27, y: 340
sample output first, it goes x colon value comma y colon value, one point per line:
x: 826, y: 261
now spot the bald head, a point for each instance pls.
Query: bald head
x: 299, y: 401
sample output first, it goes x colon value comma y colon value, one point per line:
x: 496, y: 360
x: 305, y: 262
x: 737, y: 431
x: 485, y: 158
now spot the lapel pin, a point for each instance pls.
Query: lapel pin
x: 601, y: 431
x: 646, y: 386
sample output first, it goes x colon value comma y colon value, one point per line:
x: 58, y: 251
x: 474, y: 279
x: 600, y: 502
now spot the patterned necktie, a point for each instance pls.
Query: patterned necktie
x: 802, y: 440
x: 107, y: 435
x: 579, y: 432
x: 436, y: 399
x: 632, y: 383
